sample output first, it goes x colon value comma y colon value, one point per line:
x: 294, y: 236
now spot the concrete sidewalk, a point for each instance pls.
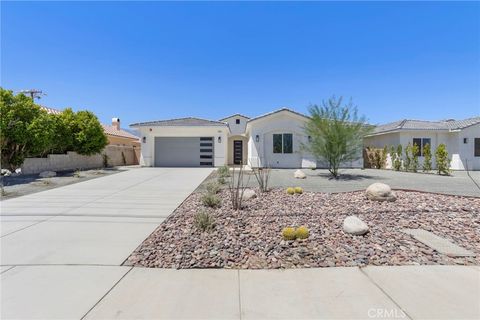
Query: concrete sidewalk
x: 105, y: 292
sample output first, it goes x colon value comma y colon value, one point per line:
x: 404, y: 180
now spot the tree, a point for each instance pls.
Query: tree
x: 415, y: 151
x: 408, y: 157
x: 397, y: 162
x: 88, y: 135
x: 336, y: 133
x: 427, y: 158
x: 25, y: 129
x: 442, y: 160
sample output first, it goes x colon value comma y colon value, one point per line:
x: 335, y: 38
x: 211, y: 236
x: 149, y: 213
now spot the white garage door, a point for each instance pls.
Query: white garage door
x: 184, y: 151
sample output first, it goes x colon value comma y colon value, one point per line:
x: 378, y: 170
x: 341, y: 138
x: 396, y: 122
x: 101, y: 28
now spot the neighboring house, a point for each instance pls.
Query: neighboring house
x: 462, y: 138
x: 274, y: 139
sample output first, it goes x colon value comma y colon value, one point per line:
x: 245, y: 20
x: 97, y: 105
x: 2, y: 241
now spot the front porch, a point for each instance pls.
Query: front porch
x: 237, y: 146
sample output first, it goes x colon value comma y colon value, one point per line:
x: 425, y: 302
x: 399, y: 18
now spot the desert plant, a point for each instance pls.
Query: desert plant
x: 212, y: 187
x: 77, y: 174
x: 427, y: 158
x: 302, y: 232
x: 237, y: 187
x: 262, y: 175
x: 211, y: 200
x: 414, y: 163
x: 223, y: 171
x: 336, y: 133
x: 384, y: 157
x: 221, y: 180
x: 298, y: 190
x: 397, y: 163
x: 290, y: 190
x: 441, y: 159
x: 289, y: 233
x: 408, y: 157
x: 204, y: 221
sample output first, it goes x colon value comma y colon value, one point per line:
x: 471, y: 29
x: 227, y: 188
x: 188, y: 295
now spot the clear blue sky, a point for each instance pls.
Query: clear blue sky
x: 158, y: 60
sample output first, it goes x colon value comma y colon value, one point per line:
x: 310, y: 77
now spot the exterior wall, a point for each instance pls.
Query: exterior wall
x: 261, y: 153
x: 121, y: 141
x: 230, y: 149
x: 74, y: 161
x: 460, y: 153
x: 235, y: 128
x: 148, y: 152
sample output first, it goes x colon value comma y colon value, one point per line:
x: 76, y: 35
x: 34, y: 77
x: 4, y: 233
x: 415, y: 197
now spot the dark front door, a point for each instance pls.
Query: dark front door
x: 237, y: 151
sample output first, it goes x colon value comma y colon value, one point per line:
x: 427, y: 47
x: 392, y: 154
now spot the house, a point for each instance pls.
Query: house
x: 461, y: 137
x: 274, y: 139
x: 119, y: 137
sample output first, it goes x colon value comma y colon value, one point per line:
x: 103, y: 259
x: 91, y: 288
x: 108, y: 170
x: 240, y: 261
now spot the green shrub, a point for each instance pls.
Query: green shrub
x: 415, y: 151
x: 212, y: 187
x: 77, y: 174
x: 223, y: 171
x: 408, y: 157
x: 204, y: 221
x: 298, y: 190
x: 397, y: 162
x: 302, y: 232
x: 289, y: 233
x: 211, y: 200
x: 427, y: 158
x: 221, y: 180
x: 442, y: 160
x: 291, y: 190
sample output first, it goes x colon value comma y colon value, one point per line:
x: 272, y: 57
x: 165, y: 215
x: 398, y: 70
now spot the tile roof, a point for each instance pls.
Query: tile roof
x: 181, y: 122
x: 112, y: 131
x: 50, y: 110
x: 277, y: 111
x: 407, y: 124
x: 234, y: 115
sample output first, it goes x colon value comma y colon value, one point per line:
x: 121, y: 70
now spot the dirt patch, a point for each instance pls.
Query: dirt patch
x: 251, y: 238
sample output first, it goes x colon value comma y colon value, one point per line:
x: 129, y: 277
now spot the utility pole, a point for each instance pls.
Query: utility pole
x: 34, y: 93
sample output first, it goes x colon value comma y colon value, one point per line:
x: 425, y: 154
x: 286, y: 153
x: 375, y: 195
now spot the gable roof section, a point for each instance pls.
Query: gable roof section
x: 278, y: 111
x: 234, y: 115
x: 181, y: 122
x: 407, y: 125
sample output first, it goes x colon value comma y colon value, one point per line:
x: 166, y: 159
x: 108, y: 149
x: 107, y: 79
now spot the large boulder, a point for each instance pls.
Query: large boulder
x: 248, y: 194
x: 299, y: 174
x: 47, y: 174
x: 353, y: 225
x: 380, y: 192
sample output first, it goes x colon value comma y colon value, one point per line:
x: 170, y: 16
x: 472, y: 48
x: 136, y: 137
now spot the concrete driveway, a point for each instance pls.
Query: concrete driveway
x: 96, y: 222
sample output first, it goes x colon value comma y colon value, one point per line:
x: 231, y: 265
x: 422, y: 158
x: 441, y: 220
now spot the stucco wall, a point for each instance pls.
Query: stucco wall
x: 74, y: 161
x: 147, y: 147
x: 235, y: 128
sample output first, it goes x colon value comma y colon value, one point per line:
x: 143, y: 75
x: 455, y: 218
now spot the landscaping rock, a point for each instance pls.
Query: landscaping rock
x: 299, y: 174
x: 6, y: 172
x: 47, y: 174
x: 380, y: 192
x: 248, y: 194
x: 355, y: 226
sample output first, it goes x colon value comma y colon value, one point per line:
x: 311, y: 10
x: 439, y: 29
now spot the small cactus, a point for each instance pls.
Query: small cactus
x: 298, y: 190
x: 289, y: 233
x: 290, y: 190
x: 302, y: 232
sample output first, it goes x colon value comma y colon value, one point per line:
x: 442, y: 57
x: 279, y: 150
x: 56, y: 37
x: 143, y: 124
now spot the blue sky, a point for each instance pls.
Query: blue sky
x: 159, y: 60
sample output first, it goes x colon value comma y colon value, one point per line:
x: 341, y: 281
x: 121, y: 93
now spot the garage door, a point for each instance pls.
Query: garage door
x: 184, y: 152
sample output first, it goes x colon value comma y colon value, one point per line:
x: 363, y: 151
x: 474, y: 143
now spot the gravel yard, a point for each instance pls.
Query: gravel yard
x: 251, y: 238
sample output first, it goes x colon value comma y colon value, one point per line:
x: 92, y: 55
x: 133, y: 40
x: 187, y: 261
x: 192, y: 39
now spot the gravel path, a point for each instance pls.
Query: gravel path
x: 251, y: 238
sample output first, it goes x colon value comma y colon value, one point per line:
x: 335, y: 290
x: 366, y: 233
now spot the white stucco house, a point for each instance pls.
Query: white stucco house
x: 462, y: 138
x: 274, y: 139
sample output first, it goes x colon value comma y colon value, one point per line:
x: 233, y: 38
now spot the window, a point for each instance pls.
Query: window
x: 237, y: 121
x: 421, y: 143
x: 283, y: 143
x: 465, y: 140
x: 477, y: 147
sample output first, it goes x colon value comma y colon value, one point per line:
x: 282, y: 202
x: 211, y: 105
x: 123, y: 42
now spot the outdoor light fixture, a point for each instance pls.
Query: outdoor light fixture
x: 257, y: 138
x: 219, y: 139
x: 144, y: 139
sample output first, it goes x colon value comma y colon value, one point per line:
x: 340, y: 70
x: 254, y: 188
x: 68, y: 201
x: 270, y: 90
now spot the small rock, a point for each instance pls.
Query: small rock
x: 299, y: 174
x: 355, y: 226
x: 380, y: 192
x: 6, y: 172
x: 47, y: 174
x: 248, y: 194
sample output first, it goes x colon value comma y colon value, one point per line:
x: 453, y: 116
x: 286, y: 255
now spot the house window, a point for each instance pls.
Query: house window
x: 421, y: 143
x: 477, y: 147
x: 237, y: 121
x: 283, y: 143
x: 465, y: 140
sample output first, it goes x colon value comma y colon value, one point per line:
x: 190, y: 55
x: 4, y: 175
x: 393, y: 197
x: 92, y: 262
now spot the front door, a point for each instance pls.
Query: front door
x: 237, y: 151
